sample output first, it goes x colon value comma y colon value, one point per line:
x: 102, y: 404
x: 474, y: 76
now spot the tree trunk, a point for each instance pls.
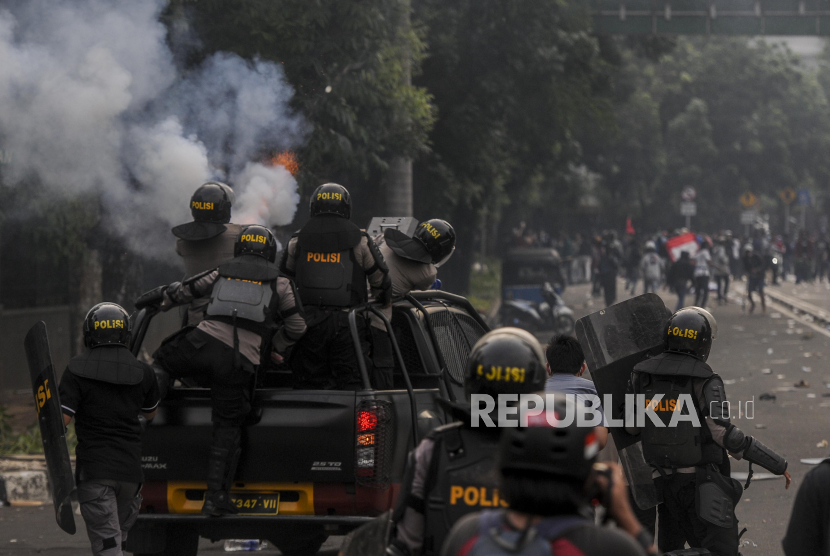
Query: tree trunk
x: 399, y: 187
x: 399, y: 176
x: 89, y: 294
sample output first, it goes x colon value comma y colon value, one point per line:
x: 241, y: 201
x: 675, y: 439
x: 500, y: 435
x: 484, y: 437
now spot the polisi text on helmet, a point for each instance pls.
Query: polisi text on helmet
x: 109, y: 324
x: 199, y: 205
x: 254, y: 238
x: 431, y: 229
x: 323, y: 257
x: 683, y: 333
x: 506, y: 374
x: 325, y: 196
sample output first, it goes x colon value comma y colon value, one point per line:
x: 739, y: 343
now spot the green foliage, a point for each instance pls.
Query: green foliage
x: 512, y: 81
x: 348, y: 65
x: 28, y: 441
x: 724, y: 115
x: 485, y: 284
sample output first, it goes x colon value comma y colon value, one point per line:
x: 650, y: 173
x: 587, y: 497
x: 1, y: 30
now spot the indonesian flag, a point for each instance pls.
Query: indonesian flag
x: 629, y: 228
x: 683, y: 242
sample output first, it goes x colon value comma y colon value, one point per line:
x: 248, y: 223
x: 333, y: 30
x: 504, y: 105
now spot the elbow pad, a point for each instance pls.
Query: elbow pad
x: 756, y: 452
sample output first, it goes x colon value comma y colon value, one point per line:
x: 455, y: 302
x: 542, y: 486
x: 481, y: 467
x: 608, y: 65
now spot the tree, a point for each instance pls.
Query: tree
x: 347, y: 63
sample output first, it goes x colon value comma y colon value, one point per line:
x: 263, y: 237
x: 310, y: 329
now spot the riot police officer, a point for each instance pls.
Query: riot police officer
x: 548, y: 478
x: 330, y: 258
x: 105, y: 389
x: 209, y: 240
x: 252, y: 312
x: 413, y: 265
x: 689, y: 454
x: 454, y: 469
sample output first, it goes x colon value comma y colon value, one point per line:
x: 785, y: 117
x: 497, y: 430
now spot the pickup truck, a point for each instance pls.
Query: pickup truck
x: 314, y: 462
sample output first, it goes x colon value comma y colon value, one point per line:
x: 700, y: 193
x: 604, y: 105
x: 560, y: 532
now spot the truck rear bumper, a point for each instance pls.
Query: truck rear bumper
x: 241, y: 520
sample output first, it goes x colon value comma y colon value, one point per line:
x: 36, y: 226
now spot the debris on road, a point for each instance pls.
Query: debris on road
x: 802, y: 384
x: 812, y: 461
x: 807, y: 369
x: 760, y: 426
x: 767, y: 396
x: 769, y: 351
x: 822, y: 444
x: 730, y: 381
x: 780, y: 377
x: 769, y: 371
x: 742, y: 475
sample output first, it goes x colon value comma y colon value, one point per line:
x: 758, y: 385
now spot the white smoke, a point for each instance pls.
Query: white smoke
x: 90, y: 102
x: 270, y: 195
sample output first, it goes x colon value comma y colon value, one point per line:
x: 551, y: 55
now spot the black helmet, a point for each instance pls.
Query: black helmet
x: 256, y: 240
x: 107, y: 324
x: 550, y: 445
x: 210, y: 206
x: 433, y: 242
x: 331, y: 198
x: 505, y: 361
x: 691, y: 330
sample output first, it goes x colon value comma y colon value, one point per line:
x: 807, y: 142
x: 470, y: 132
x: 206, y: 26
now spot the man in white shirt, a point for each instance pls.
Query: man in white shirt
x: 703, y: 260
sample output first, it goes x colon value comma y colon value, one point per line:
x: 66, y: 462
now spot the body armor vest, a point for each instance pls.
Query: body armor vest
x: 327, y: 273
x: 463, y: 478
x: 247, y: 291
x: 684, y: 445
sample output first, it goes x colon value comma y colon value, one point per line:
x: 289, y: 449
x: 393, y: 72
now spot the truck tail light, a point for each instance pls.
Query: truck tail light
x: 373, y: 442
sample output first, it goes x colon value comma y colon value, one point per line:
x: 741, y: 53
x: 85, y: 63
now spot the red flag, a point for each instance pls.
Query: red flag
x: 629, y: 229
x: 683, y: 242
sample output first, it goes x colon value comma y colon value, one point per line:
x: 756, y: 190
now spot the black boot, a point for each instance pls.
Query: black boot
x: 221, y: 469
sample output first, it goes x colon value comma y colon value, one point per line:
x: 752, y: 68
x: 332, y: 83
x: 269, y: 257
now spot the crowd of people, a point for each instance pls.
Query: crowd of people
x: 711, y: 262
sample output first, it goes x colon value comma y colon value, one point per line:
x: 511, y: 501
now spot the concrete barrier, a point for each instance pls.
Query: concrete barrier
x: 24, y: 480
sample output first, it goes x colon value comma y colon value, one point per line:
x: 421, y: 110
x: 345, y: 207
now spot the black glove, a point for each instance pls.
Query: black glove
x: 153, y: 297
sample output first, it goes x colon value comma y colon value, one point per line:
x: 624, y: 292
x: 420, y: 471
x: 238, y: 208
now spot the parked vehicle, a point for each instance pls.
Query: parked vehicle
x: 550, y: 315
x: 314, y: 463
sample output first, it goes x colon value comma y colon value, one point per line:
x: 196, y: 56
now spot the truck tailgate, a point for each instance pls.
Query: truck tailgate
x: 301, y: 436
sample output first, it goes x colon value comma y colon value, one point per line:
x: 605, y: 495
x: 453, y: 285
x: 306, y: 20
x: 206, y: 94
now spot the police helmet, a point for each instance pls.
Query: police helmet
x: 107, y: 324
x: 690, y: 330
x: 505, y: 361
x: 212, y: 202
x: 256, y: 240
x: 438, y: 237
x: 331, y: 198
x: 551, y: 445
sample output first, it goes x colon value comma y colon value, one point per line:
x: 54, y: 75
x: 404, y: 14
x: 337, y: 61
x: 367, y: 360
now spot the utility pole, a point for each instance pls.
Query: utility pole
x: 398, y: 180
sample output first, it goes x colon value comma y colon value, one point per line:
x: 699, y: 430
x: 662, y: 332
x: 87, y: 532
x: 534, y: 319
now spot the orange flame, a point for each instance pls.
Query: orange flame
x: 286, y: 159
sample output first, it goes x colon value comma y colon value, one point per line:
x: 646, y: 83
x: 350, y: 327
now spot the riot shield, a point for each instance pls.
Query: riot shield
x: 614, y: 340
x: 52, y: 428
x: 370, y: 539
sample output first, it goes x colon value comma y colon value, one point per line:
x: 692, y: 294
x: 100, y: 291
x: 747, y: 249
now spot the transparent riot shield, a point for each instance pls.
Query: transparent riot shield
x: 614, y: 340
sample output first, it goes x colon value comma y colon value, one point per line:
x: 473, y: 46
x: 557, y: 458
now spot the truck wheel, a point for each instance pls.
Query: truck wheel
x: 301, y: 545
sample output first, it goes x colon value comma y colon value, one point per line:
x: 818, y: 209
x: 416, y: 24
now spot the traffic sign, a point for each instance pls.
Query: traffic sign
x: 748, y: 216
x: 803, y: 197
x: 688, y: 194
x: 748, y: 199
x: 688, y: 208
x: 787, y: 195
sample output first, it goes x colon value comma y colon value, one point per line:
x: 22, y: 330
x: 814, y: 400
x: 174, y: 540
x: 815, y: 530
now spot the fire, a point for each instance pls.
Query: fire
x: 286, y: 159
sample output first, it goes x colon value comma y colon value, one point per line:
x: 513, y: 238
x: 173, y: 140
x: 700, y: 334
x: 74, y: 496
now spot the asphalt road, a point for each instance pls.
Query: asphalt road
x: 755, y: 354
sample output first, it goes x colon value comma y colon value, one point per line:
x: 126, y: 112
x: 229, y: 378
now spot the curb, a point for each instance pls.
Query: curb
x: 819, y: 316
x: 24, y: 481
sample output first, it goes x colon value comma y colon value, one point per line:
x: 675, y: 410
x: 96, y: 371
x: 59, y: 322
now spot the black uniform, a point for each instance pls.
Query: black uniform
x: 809, y: 529
x: 692, y: 468
x: 104, y: 389
x: 331, y: 260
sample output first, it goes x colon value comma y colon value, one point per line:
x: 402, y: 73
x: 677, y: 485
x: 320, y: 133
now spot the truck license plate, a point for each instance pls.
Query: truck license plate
x: 256, y: 503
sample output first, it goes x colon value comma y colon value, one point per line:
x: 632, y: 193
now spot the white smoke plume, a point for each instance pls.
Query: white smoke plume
x: 91, y: 102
